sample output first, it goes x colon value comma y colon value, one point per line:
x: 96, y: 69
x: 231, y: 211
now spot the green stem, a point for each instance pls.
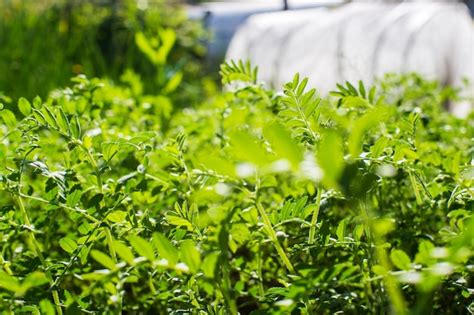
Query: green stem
x: 272, y: 234
x: 314, y: 219
x: 304, y: 118
x: 393, y: 290
x: 80, y: 211
x: 38, y: 253
x: 414, y: 184
x: 94, y: 165
x: 110, y: 242
x: 261, y: 289
x: 230, y: 303
x: 5, y: 265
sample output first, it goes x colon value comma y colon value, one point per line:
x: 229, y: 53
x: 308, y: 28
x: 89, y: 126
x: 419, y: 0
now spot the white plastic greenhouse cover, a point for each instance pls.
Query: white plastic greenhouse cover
x: 361, y: 40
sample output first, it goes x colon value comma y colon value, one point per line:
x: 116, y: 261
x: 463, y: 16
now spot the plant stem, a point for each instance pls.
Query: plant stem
x: 94, y: 165
x: 5, y: 265
x: 272, y: 234
x: 394, y: 293
x: 414, y: 184
x: 314, y: 219
x: 61, y: 205
x: 259, y: 272
x: 38, y: 253
x: 110, y: 242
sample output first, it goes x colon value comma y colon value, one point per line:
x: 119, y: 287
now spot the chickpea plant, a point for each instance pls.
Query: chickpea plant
x: 253, y: 202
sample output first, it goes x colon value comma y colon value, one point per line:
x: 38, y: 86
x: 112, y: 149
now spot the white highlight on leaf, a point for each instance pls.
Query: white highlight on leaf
x: 439, y: 252
x: 162, y: 262
x: 282, y: 165
x: 410, y: 277
x: 386, y: 170
x: 141, y: 168
x: 142, y: 4
x: 114, y: 298
x: 102, y: 271
x: 181, y: 267
x: 461, y: 280
x: 93, y: 132
x: 310, y: 169
x: 222, y: 189
x: 284, y: 303
x: 443, y: 269
x: 139, y: 260
x: 245, y: 170
x: 281, y: 234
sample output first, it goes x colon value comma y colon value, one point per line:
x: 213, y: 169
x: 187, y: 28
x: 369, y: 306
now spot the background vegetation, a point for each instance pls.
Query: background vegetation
x: 45, y: 43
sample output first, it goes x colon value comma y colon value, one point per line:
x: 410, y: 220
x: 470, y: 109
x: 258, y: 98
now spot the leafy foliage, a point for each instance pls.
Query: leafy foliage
x: 99, y: 38
x: 252, y: 202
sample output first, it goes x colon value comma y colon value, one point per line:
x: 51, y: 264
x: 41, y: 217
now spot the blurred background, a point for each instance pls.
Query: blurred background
x: 45, y: 43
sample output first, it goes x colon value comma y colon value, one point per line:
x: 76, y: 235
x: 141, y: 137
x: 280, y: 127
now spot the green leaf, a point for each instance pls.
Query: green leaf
x: 49, y: 117
x: 37, y: 102
x: 84, y: 253
x: 341, y: 230
x: 379, y: 270
x: 400, y: 259
x: 142, y: 247
x: 124, y: 252
x: 157, y: 55
x: 68, y: 244
x: 283, y: 144
x: 34, y: 279
x: 8, y: 282
x: 178, y: 221
x: 24, y: 106
x: 47, y: 308
x: 296, y: 80
x: 246, y: 147
x: 351, y: 88
x: 372, y: 92
x: 384, y: 226
x: 209, y: 264
x: 165, y: 248
x: 190, y: 255
x: 103, y: 259
x: 355, y: 102
x: 144, y: 45
x: 168, y: 39
x: 8, y: 118
x: 39, y: 117
x: 173, y: 83
x: 63, y: 121
x: 117, y: 216
x: 232, y: 71
x: 331, y: 157
x: 75, y: 128
x: 84, y: 228
x: 362, y: 89
x: 358, y: 232
x: 211, y: 161
x: 73, y: 197
x: 109, y: 150
x: 87, y: 142
x: 365, y: 123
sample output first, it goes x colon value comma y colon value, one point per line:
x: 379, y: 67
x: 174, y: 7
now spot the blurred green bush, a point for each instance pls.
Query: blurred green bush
x: 44, y: 43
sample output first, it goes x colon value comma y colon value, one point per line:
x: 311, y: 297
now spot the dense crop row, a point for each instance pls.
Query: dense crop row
x: 111, y: 201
